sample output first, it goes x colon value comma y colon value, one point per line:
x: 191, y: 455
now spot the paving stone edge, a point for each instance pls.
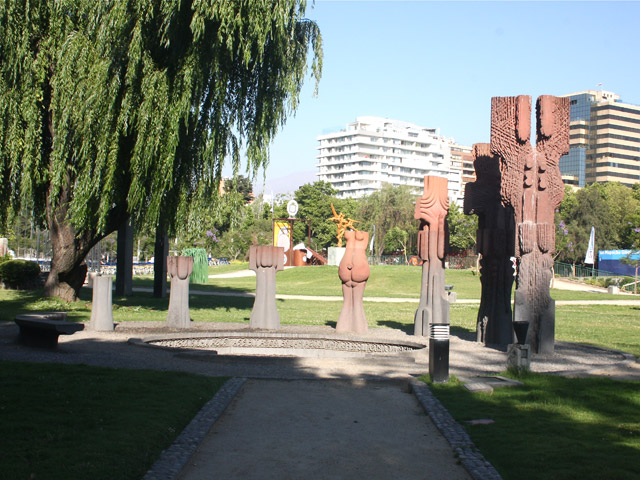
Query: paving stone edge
x: 175, y: 458
x: 472, y: 460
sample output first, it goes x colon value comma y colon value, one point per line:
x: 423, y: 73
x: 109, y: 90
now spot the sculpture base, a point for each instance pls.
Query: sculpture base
x: 102, y: 306
x: 519, y: 357
x: 335, y: 254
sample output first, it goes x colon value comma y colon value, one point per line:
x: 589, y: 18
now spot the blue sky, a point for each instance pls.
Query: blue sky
x: 437, y: 64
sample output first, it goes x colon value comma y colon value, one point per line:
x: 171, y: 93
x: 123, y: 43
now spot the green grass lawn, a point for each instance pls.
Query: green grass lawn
x: 554, y: 427
x: 78, y: 422
x: 525, y: 418
x: 608, y: 326
x: 230, y: 268
x: 398, y: 281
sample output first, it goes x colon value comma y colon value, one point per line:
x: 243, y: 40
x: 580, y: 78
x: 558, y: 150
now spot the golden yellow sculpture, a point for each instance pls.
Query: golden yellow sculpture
x: 342, y: 224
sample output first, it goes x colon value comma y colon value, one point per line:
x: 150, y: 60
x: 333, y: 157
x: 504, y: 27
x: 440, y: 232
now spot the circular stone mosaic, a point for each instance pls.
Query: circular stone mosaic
x: 281, y: 344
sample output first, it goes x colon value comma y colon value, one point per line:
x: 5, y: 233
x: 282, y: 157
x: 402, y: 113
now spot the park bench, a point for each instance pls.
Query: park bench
x: 43, y: 329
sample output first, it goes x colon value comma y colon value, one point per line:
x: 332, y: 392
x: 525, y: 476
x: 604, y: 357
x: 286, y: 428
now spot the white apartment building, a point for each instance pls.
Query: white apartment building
x: 372, y: 151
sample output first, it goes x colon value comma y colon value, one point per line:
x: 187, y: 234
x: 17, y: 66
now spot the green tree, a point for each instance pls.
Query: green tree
x: 396, y: 239
x: 242, y: 185
x: 391, y: 206
x: 314, y: 204
x: 111, y: 109
x: 462, y: 228
x: 608, y: 207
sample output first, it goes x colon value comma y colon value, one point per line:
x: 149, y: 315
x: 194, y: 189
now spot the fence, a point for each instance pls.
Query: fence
x: 452, y: 261
x: 569, y: 270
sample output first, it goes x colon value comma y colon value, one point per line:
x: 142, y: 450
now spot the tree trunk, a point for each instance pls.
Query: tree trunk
x: 161, y: 250
x: 68, y: 268
x: 70, y: 247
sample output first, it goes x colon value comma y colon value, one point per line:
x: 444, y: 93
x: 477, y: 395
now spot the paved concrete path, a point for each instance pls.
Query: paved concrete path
x: 320, y: 418
x: 323, y: 430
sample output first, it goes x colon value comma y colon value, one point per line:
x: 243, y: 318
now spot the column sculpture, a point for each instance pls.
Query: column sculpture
x: 495, y: 245
x: 265, y: 261
x: 102, y: 306
x: 532, y: 185
x: 179, y: 269
x: 354, y: 273
x: 431, y: 210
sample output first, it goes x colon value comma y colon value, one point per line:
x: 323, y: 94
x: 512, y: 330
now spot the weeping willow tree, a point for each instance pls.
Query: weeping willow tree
x: 131, y: 107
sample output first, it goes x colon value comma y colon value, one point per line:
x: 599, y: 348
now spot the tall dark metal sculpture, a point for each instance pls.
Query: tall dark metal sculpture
x: 532, y: 185
x: 495, y: 245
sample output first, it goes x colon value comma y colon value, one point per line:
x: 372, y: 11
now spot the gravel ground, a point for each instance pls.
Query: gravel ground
x: 467, y: 358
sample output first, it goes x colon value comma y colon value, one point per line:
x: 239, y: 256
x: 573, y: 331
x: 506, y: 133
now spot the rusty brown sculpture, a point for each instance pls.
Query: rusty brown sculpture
x: 532, y: 185
x: 431, y: 210
x: 265, y: 261
x: 354, y: 273
x: 495, y: 245
x: 342, y: 224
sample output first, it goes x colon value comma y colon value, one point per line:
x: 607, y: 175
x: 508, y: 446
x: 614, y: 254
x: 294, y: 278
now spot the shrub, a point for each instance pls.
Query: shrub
x: 200, y: 272
x: 19, y: 273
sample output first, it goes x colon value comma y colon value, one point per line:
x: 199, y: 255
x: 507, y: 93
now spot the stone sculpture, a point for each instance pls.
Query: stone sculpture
x: 354, y: 273
x: 495, y: 245
x: 179, y: 269
x: 431, y: 210
x: 532, y: 186
x: 265, y: 261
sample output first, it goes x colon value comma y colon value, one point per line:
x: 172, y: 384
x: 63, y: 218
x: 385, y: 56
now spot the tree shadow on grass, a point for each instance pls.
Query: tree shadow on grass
x: 463, y: 333
x: 407, y: 328
x: 15, y: 302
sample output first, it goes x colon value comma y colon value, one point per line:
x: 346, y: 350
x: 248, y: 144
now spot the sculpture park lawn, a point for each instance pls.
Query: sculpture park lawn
x: 603, y: 325
x: 397, y: 281
x: 73, y: 421
x: 553, y: 427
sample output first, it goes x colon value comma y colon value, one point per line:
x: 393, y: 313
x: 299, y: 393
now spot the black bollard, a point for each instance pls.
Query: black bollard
x: 439, y: 353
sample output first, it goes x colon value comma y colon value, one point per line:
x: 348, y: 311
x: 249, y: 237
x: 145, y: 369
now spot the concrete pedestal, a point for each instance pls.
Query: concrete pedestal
x: 519, y: 356
x: 101, y: 307
x: 179, y: 269
x: 265, y: 261
x: 335, y: 254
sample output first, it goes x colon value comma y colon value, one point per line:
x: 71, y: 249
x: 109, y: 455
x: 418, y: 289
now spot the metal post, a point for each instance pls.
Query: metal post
x: 439, y: 352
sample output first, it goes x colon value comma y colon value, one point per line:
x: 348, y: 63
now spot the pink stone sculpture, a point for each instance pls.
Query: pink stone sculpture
x: 354, y: 273
x: 265, y: 261
x: 495, y: 245
x: 433, y: 242
x: 179, y: 269
x: 532, y: 186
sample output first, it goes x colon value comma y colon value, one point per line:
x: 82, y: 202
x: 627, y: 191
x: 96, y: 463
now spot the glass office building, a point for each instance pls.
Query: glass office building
x: 604, y: 140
